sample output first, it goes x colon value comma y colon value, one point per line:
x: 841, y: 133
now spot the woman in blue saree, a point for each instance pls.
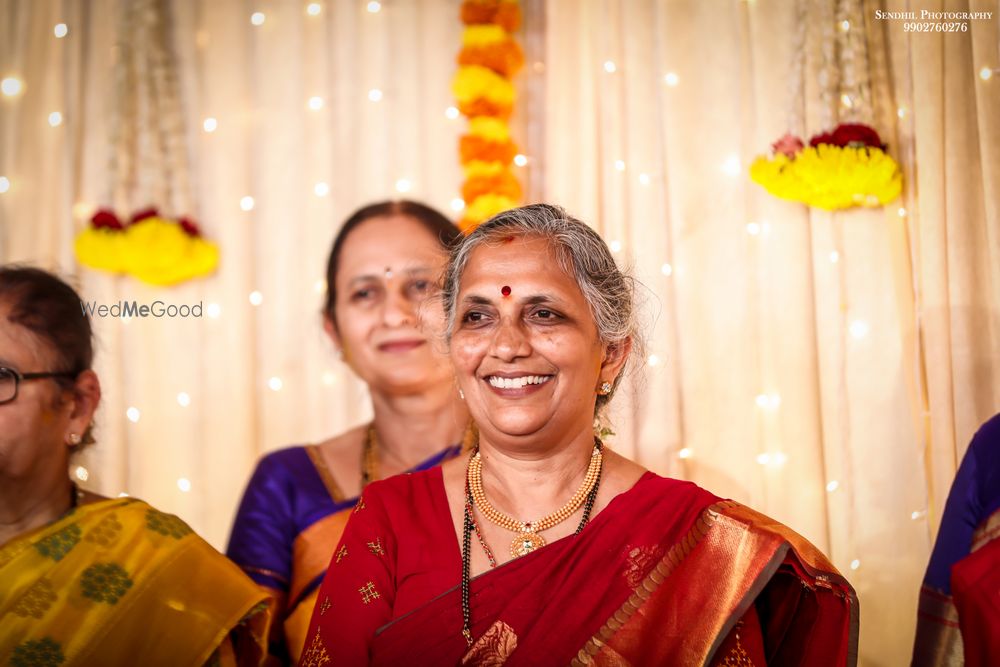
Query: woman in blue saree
x: 384, y: 264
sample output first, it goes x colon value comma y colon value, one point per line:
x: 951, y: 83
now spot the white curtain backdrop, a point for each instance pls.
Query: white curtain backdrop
x: 827, y: 369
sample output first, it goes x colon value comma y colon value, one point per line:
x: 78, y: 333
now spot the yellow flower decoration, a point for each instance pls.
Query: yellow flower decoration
x: 481, y: 169
x: 473, y: 82
x: 831, y: 177
x: 491, y: 129
x: 484, y: 208
x: 484, y: 35
x: 154, y: 250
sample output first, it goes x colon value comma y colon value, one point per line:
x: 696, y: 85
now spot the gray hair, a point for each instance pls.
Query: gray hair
x: 582, y: 254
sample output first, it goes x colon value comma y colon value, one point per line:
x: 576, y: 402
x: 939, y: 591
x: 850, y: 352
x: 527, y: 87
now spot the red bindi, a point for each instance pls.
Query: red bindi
x: 505, y: 290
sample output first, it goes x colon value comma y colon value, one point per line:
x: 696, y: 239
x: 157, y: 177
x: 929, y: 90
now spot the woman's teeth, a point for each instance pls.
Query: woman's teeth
x: 517, y: 383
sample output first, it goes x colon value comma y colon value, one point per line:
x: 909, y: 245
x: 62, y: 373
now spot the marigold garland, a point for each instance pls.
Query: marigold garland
x: 153, y: 249
x: 840, y: 169
x: 488, y: 60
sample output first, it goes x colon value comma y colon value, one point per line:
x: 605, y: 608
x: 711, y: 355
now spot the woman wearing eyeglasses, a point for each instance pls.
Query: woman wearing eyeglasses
x: 85, y: 579
x: 386, y: 260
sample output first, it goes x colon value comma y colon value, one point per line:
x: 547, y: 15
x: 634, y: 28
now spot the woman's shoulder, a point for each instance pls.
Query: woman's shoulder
x: 672, y: 491
x: 407, y: 492
x: 285, y: 458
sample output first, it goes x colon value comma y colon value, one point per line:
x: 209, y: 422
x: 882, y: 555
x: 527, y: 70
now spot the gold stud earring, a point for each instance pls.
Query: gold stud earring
x: 605, y: 388
x: 74, y: 438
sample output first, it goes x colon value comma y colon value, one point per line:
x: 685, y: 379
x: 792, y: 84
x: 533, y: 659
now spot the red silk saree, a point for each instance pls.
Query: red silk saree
x: 663, y: 575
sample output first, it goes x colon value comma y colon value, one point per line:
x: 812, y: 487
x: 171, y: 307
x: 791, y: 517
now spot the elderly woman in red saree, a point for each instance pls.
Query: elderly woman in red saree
x: 543, y: 547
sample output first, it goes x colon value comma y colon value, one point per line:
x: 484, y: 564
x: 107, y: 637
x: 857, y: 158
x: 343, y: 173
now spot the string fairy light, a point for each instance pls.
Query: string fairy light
x: 133, y: 414
x: 11, y: 86
x: 60, y: 30
x: 256, y: 298
x: 731, y: 165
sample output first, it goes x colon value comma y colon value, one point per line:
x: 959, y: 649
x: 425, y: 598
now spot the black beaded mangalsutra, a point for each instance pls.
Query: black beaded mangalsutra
x: 469, y: 523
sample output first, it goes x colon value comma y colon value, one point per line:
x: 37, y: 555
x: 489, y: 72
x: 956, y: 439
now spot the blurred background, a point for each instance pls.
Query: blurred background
x: 827, y: 368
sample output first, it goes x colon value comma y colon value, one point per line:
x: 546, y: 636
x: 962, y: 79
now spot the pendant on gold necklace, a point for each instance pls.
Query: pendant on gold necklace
x: 526, y: 542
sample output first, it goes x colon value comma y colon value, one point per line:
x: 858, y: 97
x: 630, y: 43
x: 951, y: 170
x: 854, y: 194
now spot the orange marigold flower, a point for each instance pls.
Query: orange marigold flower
x: 505, y: 58
x: 481, y: 107
x: 504, y: 13
x: 504, y: 184
x: 471, y: 148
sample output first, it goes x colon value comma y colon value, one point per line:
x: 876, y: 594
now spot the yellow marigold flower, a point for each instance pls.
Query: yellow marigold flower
x: 481, y: 168
x: 156, y: 251
x: 491, y: 129
x: 101, y: 249
x: 484, y: 208
x: 474, y: 82
x: 484, y: 35
x: 831, y: 177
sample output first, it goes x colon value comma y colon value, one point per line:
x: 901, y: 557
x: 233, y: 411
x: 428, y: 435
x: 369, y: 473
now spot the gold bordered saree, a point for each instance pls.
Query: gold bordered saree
x: 661, y: 576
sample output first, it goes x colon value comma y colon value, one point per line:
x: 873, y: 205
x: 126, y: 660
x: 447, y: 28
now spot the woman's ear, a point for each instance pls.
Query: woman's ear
x: 85, y: 399
x: 615, y: 356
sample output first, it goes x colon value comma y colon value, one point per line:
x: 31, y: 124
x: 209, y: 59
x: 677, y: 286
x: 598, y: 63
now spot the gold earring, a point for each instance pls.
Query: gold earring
x: 605, y: 388
x: 74, y: 438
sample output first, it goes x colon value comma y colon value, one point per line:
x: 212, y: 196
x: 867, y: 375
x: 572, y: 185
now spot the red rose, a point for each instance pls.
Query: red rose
x: 143, y: 214
x: 848, y: 134
x: 189, y: 227
x: 106, y: 219
x: 788, y: 144
x: 824, y: 138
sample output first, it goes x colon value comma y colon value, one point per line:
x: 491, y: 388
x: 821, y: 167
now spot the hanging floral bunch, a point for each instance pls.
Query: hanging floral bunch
x: 488, y: 61
x: 154, y: 249
x: 840, y: 169
x: 148, y: 163
x: 849, y: 165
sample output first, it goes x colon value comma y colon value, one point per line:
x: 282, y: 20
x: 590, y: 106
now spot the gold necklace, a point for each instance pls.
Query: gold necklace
x: 528, y: 538
x: 369, y: 451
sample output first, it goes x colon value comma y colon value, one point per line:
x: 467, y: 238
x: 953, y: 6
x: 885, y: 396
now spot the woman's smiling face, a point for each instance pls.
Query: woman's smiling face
x: 386, y: 324
x: 524, y: 344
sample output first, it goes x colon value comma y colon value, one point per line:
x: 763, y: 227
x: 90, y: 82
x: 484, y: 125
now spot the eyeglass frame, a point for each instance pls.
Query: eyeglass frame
x: 20, y: 377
